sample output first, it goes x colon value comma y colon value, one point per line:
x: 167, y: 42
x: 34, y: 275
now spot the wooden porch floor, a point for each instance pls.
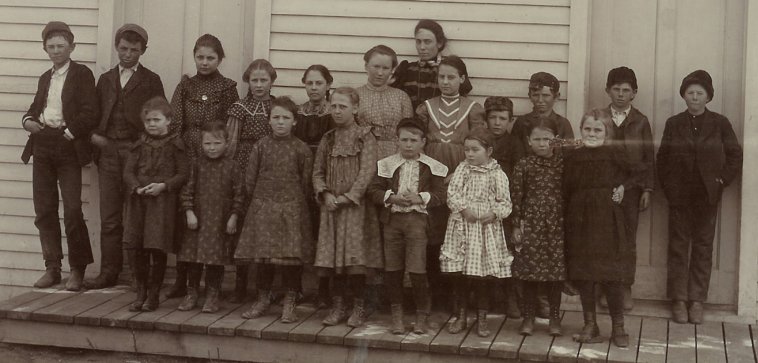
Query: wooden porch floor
x: 101, y: 320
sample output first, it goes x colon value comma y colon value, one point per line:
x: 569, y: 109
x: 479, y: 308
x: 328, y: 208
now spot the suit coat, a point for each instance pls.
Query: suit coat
x: 80, y: 109
x: 142, y: 86
x: 715, y: 153
x: 638, y: 142
x: 432, y: 183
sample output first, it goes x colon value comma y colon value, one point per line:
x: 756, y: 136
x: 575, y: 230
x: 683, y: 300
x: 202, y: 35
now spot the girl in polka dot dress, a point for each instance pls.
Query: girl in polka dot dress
x: 249, y: 122
x: 200, y: 99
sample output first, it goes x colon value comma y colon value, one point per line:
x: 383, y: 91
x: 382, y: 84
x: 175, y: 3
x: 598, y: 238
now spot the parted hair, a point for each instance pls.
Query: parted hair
x: 210, y: 41
x: 259, y: 64
x: 381, y: 49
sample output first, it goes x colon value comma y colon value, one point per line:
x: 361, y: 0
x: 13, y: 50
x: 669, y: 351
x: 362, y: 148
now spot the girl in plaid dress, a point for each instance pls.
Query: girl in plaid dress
x: 475, y: 250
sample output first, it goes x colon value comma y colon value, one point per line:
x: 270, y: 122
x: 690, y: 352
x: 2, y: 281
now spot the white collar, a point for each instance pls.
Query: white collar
x: 62, y: 70
x: 626, y: 112
x: 386, y: 167
x: 133, y: 68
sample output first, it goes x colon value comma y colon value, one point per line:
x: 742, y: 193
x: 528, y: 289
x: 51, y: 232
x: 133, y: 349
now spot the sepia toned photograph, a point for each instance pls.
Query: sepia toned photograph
x: 360, y: 181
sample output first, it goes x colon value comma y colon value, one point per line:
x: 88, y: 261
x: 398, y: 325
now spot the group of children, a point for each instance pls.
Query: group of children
x: 220, y: 180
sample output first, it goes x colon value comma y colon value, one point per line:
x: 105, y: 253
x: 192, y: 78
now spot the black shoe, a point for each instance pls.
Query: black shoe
x: 102, y: 281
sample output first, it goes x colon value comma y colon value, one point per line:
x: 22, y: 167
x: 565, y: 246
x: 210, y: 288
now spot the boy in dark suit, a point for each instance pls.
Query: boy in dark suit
x: 544, y: 91
x: 122, y: 91
x: 407, y: 184
x: 699, y: 156
x: 59, y: 121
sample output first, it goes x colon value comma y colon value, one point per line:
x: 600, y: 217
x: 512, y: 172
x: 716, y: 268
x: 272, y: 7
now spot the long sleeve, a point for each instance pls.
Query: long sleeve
x: 39, y: 98
x: 378, y: 189
x: 251, y: 173
x: 422, y: 113
x: 86, y: 119
x: 456, y: 201
x: 503, y: 206
x: 437, y: 191
x: 187, y: 195
x: 228, y: 97
x: 130, y: 174
x: 648, y: 156
x: 406, y: 107
x: 663, y: 163
x: 319, y: 168
x: 306, y: 170
x: 732, y: 151
x: 238, y: 190
x: 517, y: 191
x: 177, y: 105
x: 367, y: 169
x: 399, y: 75
x: 181, y: 161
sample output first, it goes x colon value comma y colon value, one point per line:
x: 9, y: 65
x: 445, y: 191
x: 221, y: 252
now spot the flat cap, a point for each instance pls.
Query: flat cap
x: 132, y: 28
x: 56, y: 26
x: 544, y: 79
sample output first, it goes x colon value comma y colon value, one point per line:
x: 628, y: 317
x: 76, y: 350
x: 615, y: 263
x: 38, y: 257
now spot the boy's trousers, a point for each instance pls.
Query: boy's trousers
x: 110, y: 169
x: 55, y: 163
x: 690, y: 274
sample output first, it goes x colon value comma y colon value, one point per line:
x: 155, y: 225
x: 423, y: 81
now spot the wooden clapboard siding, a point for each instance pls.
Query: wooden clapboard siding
x: 22, y: 61
x: 503, y: 43
x: 661, y: 56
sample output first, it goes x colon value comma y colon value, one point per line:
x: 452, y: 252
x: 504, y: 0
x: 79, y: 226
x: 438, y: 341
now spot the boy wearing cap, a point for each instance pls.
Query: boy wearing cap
x: 699, y: 156
x: 122, y: 91
x: 632, y: 131
x: 406, y: 185
x: 59, y: 121
x: 544, y: 91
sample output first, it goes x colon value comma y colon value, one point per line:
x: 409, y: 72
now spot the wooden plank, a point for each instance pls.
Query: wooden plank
x: 421, y: 342
x: 632, y: 326
x: 445, y: 342
x: 165, y: 317
x: 226, y: 325
x: 754, y: 334
x: 19, y: 300
x: 710, y: 342
x: 739, y: 347
x: 681, y: 343
x: 65, y: 311
x: 333, y: 334
x: 31, y: 33
x: 253, y: 328
x: 281, y: 331
x: 200, y: 323
x: 597, y: 352
x: 564, y: 348
x: 74, y: 4
x: 480, y: 346
x: 374, y: 333
x: 653, y: 340
x: 508, y: 341
x: 94, y: 316
x: 21, y: 15
x: 24, y: 311
x: 32, y: 50
x: 307, y: 331
x: 537, y: 346
x: 119, y: 318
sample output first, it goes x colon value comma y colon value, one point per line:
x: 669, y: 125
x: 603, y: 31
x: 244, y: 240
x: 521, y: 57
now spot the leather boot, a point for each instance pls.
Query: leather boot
x: 211, y: 300
x: 482, y: 328
x: 240, y: 284
x: 260, y: 306
x: 590, y: 332
x: 139, y: 272
x: 554, y: 328
x: 422, y: 322
x: 289, y: 315
x: 338, y: 312
x: 157, y: 273
x: 679, y: 312
x: 618, y: 335
x: 459, y: 324
x: 398, y: 327
x: 179, y: 288
x: 51, y: 277
x: 190, y: 299
x: 358, y: 316
x: 512, y: 310
x: 76, y: 278
x: 543, y: 306
x: 527, y: 322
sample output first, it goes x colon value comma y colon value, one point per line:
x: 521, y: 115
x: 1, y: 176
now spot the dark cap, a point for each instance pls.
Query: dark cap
x: 700, y: 77
x: 56, y: 26
x: 544, y: 79
x: 411, y: 122
x: 498, y: 103
x: 132, y: 28
x: 621, y: 75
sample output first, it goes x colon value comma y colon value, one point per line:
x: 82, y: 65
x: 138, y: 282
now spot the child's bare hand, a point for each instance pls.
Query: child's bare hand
x: 231, y: 225
x: 32, y: 126
x: 191, y: 220
x: 330, y: 202
x: 517, y: 235
x: 644, y: 200
x: 488, y: 217
x: 413, y: 198
x: 469, y: 216
x: 399, y: 200
x: 342, y: 201
x: 99, y: 141
x: 618, y: 194
x: 154, y: 189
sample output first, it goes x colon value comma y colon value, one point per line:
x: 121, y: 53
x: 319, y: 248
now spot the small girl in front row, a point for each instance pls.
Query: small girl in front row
x: 475, y: 249
x: 277, y: 229
x: 537, y: 222
x: 155, y: 170
x: 212, y: 202
x: 349, y: 244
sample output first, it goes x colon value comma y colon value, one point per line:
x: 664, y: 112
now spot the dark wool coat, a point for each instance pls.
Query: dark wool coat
x: 636, y: 136
x: 143, y: 86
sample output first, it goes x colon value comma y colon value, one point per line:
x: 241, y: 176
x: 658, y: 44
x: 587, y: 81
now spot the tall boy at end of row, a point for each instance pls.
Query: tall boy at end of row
x: 59, y: 121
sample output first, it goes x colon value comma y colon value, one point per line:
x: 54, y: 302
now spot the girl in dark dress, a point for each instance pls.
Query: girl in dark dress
x: 155, y: 171
x: 594, y: 180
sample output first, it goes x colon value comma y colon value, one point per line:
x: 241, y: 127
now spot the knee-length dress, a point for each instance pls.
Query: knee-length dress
x: 538, y: 208
x: 214, y: 192
x: 348, y: 238
x: 596, y: 244
x: 198, y: 100
x: 382, y: 108
x: 277, y: 225
x: 473, y: 248
x: 150, y: 222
